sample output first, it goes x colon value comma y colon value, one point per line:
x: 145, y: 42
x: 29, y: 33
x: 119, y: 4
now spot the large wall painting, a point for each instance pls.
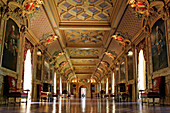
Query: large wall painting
x: 130, y: 67
x: 122, y: 71
x: 11, y: 44
x: 46, y: 71
x: 158, y: 44
x: 39, y: 66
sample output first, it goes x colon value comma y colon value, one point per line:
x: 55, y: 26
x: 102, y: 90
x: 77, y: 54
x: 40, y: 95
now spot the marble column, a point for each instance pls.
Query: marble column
x: 67, y: 86
x: 107, y: 85
x: 55, y: 83
x: 100, y: 88
x: 60, y: 85
x: 113, y: 83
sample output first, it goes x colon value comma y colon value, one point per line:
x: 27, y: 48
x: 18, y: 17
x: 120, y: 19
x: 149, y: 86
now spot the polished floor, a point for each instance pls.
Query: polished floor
x: 84, y: 106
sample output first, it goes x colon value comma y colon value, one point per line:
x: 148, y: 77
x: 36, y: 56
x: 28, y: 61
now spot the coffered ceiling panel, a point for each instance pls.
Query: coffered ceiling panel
x: 94, y: 53
x: 84, y: 10
x: 85, y: 62
x: 84, y: 37
x: 85, y: 68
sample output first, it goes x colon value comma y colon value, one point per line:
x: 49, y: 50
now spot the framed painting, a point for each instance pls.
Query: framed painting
x: 11, y: 45
x: 117, y: 76
x: 39, y: 65
x: 158, y: 45
x: 122, y: 71
x: 130, y: 67
x: 46, y: 71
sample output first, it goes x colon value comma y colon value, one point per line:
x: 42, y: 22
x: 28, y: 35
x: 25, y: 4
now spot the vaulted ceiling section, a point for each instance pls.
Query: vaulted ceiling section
x: 84, y: 29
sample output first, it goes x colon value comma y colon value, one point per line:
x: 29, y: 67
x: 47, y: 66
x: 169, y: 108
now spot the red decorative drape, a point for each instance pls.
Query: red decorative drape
x: 141, y: 46
x: 40, y: 88
x: 28, y: 45
x: 12, y: 83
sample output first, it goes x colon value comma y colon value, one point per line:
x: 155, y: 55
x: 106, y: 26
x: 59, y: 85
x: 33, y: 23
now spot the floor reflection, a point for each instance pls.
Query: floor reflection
x: 84, y: 105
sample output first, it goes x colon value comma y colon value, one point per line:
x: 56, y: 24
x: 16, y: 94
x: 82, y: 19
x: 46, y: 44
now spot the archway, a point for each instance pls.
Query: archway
x: 82, y: 91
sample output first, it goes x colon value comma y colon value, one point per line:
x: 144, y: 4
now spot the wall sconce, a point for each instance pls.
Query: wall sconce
x: 39, y: 53
x: 117, y: 68
x: 130, y: 53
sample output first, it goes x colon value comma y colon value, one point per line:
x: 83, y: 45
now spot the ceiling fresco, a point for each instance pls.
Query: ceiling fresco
x: 84, y: 36
x: 84, y: 29
x: 85, y: 68
x: 85, y: 62
x: 84, y: 10
x: 84, y: 52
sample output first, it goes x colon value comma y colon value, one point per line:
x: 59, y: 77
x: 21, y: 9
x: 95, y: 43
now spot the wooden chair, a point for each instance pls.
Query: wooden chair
x: 44, y: 96
x: 157, y: 91
x: 11, y: 90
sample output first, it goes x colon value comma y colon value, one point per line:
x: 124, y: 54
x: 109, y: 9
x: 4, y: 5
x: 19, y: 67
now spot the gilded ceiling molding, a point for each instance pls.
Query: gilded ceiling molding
x: 47, y: 39
x: 122, y: 40
x: 105, y: 63
x: 111, y: 54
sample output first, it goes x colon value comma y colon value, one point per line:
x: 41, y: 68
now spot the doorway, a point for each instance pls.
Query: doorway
x: 82, y: 92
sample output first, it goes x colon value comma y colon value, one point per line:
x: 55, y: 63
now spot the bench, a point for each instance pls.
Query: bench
x: 157, y: 91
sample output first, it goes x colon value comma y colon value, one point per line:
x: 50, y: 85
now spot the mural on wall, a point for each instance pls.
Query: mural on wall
x: 158, y: 44
x: 130, y: 67
x: 11, y: 44
x: 122, y: 71
x: 46, y: 70
x: 39, y: 66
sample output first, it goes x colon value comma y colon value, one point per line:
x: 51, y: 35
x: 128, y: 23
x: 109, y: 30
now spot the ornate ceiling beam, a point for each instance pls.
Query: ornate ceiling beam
x: 84, y: 27
x: 81, y: 47
x: 86, y: 65
x: 84, y: 58
x: 84, y: 73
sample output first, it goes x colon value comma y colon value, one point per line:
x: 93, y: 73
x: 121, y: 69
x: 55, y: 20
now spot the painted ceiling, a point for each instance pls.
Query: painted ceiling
x: 85, y: 62
x: 84, y: 10
x: 84, y: 37
x: 84, y: 52
x: 83, y: 48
